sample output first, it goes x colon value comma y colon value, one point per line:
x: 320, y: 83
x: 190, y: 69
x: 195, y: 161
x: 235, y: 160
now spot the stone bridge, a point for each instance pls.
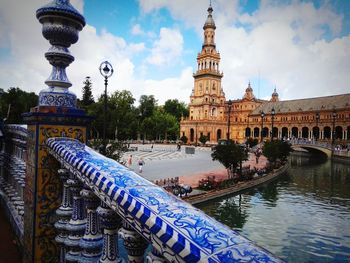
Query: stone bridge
x: 312, y: 146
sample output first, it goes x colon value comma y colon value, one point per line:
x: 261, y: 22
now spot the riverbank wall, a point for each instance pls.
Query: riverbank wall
x: 237, y: 188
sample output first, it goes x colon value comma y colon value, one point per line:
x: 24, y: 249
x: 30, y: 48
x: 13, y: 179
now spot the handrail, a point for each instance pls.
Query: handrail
x: 311, y: 142
x: 177, y: 230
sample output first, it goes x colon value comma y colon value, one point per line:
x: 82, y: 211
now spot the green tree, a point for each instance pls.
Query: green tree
x: 252, y: 142
x: 203, y: 139
x: 114, y: 150
x: 87, y: 98
x: 165, y: 125
x: 276, y: 149
x: 231, y: 155
x: 14, y: 102
x: 184, y: 139
x: 176, y: 108
x: 123, y: 120
x: 121, y: 117
x: 147, y: 105
x: 146, y: 109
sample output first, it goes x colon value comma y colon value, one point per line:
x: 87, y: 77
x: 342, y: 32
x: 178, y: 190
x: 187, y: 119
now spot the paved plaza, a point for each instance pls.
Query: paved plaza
x: 164, y: 161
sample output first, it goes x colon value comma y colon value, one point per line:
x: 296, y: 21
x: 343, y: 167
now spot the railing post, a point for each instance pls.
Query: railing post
x: 64, y: 213
x: 155, y: 257
x: 92, y: 239
x: 110, y: 223
x: 56, y: 115
x: 77, y: 224
x: 134, y: 244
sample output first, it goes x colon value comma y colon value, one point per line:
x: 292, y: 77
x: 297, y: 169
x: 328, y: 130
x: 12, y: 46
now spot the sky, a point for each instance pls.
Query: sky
x: 301, y: 48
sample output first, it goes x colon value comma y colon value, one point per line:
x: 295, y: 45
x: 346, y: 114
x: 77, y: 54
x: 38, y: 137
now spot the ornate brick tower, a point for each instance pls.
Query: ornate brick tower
x: 207, y: 100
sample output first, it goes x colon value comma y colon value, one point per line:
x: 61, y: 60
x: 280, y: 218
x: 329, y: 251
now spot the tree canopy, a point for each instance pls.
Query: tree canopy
x: 14, y: 102
x: 87, y: 98
x: 276, y: 149
x: 124, y: 120
x: 230, y: 154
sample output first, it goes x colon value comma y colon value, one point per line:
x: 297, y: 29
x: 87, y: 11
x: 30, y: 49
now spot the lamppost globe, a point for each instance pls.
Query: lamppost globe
x: 106, y: 69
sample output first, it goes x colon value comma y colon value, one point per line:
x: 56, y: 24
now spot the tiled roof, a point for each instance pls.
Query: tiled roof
x: 304, y: 105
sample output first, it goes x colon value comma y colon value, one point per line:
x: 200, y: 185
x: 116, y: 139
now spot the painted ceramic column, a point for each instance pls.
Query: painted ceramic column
x: 64, y: 213
x: 55, y: 116
x: 76, y: 225
x: 92, y: 239
x: 110, y: 223
x: 134, y: 244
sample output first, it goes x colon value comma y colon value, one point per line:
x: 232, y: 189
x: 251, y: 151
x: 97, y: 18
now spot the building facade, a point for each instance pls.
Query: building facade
x: 210, y: 114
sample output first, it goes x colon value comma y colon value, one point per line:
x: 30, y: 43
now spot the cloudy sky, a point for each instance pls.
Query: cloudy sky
x: 300, y: 47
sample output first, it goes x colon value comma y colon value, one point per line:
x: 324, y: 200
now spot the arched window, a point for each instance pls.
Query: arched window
x: 327, y: 132
x: 256, y: 132
x: 305, y: 132
x: 218, y: 134
x: 295, y: 132
x: 284, y: 132
x: 192, y: 135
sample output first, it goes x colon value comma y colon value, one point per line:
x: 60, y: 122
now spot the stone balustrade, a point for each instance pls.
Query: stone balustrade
x: 12, y: 179
x: 111, y: 202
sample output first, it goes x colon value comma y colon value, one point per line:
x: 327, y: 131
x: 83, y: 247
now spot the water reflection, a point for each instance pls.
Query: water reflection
x: 304, y: 216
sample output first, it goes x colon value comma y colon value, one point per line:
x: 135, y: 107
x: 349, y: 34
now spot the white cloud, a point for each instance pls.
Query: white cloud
x: 171, y: 88
x: 283, y: 42
x: 168, y: 48
x: 136, y: 30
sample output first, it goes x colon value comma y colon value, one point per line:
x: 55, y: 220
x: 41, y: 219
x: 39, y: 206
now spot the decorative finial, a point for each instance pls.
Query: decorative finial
x: 61, y: 25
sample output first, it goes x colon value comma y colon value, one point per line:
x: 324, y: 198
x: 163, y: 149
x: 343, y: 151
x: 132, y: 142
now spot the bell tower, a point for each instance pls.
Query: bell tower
x: 207, y: 100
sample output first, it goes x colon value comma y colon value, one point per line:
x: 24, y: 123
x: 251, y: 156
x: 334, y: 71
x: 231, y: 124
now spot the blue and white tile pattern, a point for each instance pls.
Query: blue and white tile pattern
x: 179, y: 231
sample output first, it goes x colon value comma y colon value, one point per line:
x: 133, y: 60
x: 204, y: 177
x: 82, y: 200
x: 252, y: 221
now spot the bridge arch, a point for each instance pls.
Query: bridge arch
x: 315, y: 148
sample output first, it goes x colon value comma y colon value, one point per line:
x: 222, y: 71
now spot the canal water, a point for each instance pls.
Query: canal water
x: 304, y: 216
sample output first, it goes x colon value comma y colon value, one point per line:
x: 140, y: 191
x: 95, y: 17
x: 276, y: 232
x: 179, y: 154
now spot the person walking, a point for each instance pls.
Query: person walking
x: 129, y: 162
x: 141, y: 163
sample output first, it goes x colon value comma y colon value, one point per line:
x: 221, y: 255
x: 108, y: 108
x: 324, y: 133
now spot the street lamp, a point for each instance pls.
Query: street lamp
x: 228, y: 119
x: 334, y: 115
x: 272, y: 119
x: 317, y: 129
x: 106, y: 71
x: 262, y: 114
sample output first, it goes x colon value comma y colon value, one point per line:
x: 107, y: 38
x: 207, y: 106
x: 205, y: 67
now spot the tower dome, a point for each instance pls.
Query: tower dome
x: 209, y: 23
x: 249, y: 93
x: 274, y: 96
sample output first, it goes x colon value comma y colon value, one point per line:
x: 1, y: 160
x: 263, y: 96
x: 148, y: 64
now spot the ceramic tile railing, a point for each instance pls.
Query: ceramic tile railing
x: 12, y: 158
x: 177, y: 231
